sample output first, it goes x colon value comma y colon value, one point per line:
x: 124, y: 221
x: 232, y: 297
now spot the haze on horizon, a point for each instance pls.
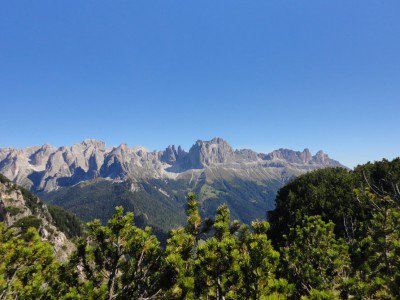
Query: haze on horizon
x: 295, y: 75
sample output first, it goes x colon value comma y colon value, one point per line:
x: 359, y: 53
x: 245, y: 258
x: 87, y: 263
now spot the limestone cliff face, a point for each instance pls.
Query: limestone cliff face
x: 46, y: 168
x: 172, y: 156
x: 19, y: 207
x: 206, y: 153
x: 303, y: 157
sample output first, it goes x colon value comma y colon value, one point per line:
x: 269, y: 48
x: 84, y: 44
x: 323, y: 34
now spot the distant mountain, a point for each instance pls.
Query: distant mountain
x: 89, y: 178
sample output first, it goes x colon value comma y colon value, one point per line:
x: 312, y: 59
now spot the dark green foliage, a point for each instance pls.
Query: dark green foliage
x: 161, y: 203
x: 379, y: 248
x: 66, y: 222
x: 32, y: 202
x: 364, y: 207
x: 4, y: 179
x: 12, y: 210
x: 381, y: 177
x: 327, y: 192
x: 246, y: 200
x: 314, y: 259
x: 330, y: 194
x: 27, y: 222
x: 97, y: 200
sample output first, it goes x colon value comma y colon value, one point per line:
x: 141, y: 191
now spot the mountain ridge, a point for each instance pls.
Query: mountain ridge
x: 47, y: 168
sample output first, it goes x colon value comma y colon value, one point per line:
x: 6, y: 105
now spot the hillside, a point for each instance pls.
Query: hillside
x: 21, y: 209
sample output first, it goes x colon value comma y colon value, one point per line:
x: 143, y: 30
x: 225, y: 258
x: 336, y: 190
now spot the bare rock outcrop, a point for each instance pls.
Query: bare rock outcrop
x: 19, y: 207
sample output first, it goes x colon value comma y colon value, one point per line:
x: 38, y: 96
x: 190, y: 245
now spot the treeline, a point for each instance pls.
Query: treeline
x: 334, y: 234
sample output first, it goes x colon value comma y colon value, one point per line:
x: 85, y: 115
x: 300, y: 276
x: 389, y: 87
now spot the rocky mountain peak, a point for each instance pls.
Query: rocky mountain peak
x: 173, y: 156
x: 169, y: 155
x: 290, y: 155
x: 180, y: 150
x: 246, y: 155
x: 218, y: 140
x: 306, y: 155
x: 321, y: 158
x: 40, y: 156
x: 302, y: 157
x: 47, y: 147
x: 205, y: 153
x: 93, y: 143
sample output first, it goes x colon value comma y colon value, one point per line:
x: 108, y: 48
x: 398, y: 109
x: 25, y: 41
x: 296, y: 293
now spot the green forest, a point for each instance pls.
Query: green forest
x: 334, y: 234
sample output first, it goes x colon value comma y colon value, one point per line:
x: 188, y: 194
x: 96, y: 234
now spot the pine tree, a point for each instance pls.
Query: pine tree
x: 120, y: 260
x: 258, y: 265
x: 180, y: 253
x: 380, y: 247
x: 28, y: 266
x: 314, y: 260
x: 217, y: 268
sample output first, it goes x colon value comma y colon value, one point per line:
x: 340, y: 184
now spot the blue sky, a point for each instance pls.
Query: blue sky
x: 261, y: 74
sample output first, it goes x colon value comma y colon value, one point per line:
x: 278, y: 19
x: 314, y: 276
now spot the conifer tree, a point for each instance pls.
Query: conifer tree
x: 28, y: 266
x: 217, y: 268
x: 258, y: 265
x: 180, y: 253
x: 380, y: 247
x: 121, y: 260
x: 315, y: 261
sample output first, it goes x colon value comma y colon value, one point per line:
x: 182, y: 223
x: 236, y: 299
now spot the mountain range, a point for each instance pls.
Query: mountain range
x: 90, y: 179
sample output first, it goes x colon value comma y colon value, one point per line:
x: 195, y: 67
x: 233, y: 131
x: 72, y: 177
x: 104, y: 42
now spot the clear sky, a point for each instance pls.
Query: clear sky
x: 261, y: 74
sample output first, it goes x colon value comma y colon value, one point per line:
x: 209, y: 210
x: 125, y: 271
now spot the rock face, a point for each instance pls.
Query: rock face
x: 46, y: 168
x: 172, y: 156
x: 303, y: 157
x: 19, y: 207
x: 206, y: 153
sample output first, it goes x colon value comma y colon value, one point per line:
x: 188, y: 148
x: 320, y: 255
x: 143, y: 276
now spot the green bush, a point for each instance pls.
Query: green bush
x: 12, y: 210
x: 27, y: 222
